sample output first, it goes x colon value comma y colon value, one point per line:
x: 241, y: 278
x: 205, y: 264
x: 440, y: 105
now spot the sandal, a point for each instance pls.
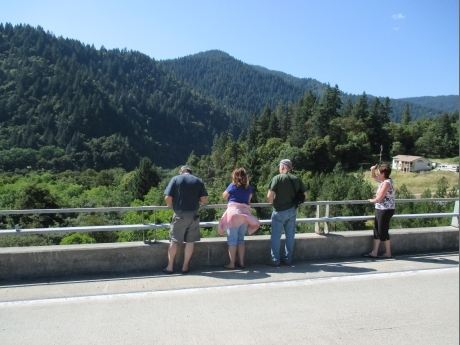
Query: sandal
x: 369, y: 255
x: 167, y: 272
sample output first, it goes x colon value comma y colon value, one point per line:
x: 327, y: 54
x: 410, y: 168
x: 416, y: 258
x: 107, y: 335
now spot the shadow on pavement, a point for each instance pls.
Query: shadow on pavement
x: 251, y: 272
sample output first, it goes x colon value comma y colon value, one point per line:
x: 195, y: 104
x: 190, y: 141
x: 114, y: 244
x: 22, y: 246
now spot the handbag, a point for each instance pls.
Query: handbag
x: 299, y: 197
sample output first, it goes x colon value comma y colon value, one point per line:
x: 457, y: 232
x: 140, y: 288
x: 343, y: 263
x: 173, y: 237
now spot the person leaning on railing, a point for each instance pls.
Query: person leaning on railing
x: 281, y: 192
x: 384, y: 210
x: 184, y: 194
x: 237, y: 219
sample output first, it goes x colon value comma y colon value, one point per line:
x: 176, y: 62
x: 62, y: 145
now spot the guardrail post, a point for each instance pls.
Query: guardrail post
x: 317, y: 228
x: 143, y: 230
x: 326, y: 224
x: 154, y: 222
x: 455, y: 219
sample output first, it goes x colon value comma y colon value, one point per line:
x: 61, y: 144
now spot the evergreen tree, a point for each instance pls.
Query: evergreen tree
x: 253, y: 132
x: 347, y: 110
x: 303, y: 112
x: 405, y: 118
x: 145, y: 177
x: 326, y: 110
x: 361, y: 109
x: 264, y: 125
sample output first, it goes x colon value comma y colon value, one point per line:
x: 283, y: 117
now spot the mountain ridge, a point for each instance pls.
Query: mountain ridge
x: 214, y: 70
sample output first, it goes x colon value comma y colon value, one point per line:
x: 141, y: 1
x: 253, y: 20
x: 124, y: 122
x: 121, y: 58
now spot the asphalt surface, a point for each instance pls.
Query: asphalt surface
x: 410, y: 299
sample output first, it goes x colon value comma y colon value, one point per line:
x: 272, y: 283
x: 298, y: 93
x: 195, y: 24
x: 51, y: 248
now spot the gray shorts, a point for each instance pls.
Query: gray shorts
x: 185, y: 227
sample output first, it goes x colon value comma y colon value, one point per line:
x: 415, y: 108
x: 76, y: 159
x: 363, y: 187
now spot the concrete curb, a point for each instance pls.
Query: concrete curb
x: 55, y: 261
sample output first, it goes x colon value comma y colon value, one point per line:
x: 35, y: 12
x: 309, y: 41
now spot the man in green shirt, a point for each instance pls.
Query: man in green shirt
x: 281, y: 192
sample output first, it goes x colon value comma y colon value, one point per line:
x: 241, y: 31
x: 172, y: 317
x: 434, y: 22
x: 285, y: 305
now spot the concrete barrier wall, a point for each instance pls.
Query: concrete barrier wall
x: 58, y: 261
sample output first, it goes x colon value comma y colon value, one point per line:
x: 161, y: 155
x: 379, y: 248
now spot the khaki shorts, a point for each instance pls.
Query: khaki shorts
x: 185, y: 227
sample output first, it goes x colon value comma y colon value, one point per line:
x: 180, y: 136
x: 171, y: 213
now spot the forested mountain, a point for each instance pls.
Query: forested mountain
x: 238, y: 87
x: 444, y: 103
x: 244, y: 89
x: 66, y: 105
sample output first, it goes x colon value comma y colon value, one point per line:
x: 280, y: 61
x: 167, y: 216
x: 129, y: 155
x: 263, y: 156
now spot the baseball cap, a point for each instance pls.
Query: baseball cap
x: 286, y: 162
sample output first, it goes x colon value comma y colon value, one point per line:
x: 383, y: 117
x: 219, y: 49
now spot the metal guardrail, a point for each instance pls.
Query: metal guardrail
x: 317, y: 220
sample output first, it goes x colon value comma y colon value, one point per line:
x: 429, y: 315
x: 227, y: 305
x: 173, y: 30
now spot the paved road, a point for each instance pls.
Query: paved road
x: 407, y: 300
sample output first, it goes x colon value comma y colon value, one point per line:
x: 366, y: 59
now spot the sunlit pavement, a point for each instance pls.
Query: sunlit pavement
x: 410, y: 299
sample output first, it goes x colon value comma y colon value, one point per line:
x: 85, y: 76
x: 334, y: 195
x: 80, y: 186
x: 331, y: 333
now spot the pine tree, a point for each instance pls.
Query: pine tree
x: 361, y: 108
x: 253, y: 132
x: 405, y: 118
x: 145, y: 177
x: 264, y: 125
x: 302, y: 113
x: 326, y: 110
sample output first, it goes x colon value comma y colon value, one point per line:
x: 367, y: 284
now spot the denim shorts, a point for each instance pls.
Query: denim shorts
x: 235, y: 235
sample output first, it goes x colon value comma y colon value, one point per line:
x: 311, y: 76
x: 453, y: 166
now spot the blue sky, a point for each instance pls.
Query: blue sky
x: 394, y: 48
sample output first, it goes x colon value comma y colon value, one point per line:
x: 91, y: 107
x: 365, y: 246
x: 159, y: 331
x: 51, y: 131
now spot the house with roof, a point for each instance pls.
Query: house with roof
x: 411, y: 163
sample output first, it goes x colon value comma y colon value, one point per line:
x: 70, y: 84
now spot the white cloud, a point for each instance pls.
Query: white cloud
x: 398, y: 16
x: 395, y: 29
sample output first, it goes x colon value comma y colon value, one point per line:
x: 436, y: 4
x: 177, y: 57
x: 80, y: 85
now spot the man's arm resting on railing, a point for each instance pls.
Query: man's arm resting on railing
x: 271, y: 196
x: 169, y: 200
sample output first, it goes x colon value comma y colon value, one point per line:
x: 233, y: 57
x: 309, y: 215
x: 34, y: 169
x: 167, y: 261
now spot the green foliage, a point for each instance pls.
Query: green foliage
x: 341, y: 186
x: 78, y: 238
x: 30, y: 240
x: 145, y: 177
x: 17, y: 158
x: 36, y: 197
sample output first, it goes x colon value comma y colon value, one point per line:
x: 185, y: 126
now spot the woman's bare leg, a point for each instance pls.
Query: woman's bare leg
x: 241, y: 249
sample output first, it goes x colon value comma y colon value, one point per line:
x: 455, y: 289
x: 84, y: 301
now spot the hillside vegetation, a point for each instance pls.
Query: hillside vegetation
x: 244, y: 89
x: 445, y: 103
x: 64, y: 105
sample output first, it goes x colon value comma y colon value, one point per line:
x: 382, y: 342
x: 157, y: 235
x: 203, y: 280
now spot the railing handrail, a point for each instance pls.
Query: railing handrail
x: 205, y: 206
x: 152, y: 226
x: 149, y: 226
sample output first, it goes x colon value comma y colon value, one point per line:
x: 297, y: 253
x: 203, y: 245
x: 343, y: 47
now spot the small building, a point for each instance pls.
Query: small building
x: 411, y: 163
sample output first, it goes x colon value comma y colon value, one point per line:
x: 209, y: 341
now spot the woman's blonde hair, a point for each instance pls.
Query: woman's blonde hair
x: 240, y: 178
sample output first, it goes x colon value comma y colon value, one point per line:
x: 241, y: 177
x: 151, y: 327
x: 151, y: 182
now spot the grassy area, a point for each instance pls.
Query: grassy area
x: 454, y: 160
x: 417, y: 183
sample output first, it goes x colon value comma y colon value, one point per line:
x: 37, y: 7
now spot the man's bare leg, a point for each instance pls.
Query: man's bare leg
x: 187, y: 255
x: 172, y: 250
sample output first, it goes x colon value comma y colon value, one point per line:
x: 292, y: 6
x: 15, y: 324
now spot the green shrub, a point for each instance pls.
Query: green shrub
x: 78, y: 239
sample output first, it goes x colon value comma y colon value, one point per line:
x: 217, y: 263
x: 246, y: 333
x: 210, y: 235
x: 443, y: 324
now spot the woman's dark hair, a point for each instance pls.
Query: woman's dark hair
x: 385, y: 169
x: 240, y: 178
